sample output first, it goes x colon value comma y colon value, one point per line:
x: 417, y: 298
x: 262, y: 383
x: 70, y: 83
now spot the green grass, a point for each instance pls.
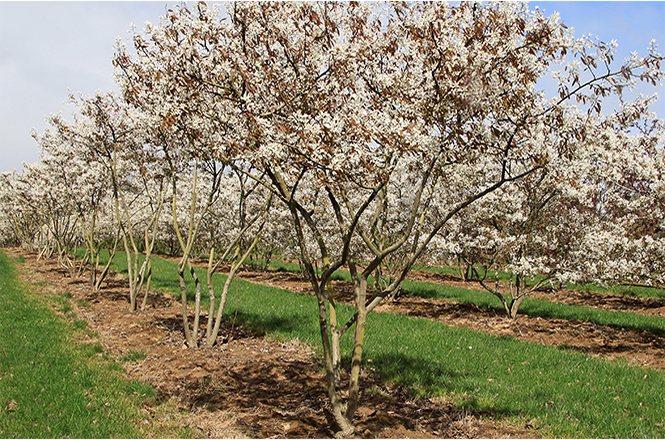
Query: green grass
x: 629, y: 290
x: 530, y: 306
x: 538, y: 307
x: 567, y: 393
x: 133, y: 355
x: 50, y: 386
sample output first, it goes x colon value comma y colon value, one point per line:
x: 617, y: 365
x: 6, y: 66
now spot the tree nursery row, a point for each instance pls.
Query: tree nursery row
x: 361, y: 137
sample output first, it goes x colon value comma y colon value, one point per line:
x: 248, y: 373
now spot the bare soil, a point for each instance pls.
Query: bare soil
x: 253, y: 386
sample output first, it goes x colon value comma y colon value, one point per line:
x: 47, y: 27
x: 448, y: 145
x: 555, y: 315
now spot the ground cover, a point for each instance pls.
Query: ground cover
x: 600, y: 323
x: 638, y: 346
x: 621, y: 289
x: 51, y: 386
x: 547, y: 303
x: 599, y: 306
x: 564, y: 391
x: 542, y: 308
x: 251, y: 385
x: 571, y: 393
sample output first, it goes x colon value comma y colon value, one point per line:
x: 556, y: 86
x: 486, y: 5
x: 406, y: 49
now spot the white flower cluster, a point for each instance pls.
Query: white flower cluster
x: 414, y: 131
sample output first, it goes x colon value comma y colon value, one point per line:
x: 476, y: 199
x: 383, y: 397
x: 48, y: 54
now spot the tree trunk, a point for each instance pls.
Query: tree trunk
x: 515, y: 305
x: 105, y: 271
x: 197, y: 304
x: 334, y: 394
x: 147, y: 286
x: 358, y: 344
x: 183, y: 299
x: 211, y: 294
x: 212, y: 335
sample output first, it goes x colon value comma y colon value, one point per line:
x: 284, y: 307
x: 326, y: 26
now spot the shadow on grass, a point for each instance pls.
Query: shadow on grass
x: 262, y: 323
x: 417, y: 373
x: 427, y: 378
x: 423, y: 293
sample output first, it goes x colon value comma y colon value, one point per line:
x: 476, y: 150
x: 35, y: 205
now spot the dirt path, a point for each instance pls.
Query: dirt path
x: 248, y: 386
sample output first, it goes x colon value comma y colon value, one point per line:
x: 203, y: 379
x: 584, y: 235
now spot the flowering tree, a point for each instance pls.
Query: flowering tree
x: 602, y: 225
x: 530, y: 229
x: 21, y: 222
x: 378, y: 131
x: 84, y: 182
x: 375, y: 127
x: 621, y: 190
x: 108, y: 134
x: 193, y: 151
x: 595, y: 218
x: 46, y: 194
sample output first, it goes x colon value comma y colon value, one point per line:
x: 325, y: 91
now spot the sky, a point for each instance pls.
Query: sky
x: 49, y: 48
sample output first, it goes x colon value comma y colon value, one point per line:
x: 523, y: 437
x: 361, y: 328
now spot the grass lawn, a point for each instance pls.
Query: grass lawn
x: 50, y: 385
x: 567, y: 393
x: 629, y: 290
x: 530, y: 306
x: 538, y: 307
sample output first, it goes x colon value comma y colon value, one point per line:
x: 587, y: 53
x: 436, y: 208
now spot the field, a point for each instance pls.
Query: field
x: 441, y: 361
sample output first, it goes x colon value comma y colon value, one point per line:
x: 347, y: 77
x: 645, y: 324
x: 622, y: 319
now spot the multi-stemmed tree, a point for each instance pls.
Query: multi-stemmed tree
x: 110, y: 134
x: 377, y: 128
x: 193, y: 150
x: 44, y: 193
x: 339, y: 106
x: 85, y: 183
x: 621, y: 191
x: 21, y: 222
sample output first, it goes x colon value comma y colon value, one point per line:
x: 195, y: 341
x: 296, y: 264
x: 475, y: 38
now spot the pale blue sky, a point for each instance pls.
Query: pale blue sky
x: 49, y: 47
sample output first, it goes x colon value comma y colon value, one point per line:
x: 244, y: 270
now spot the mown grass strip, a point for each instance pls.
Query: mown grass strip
x: 623, y: 289
x: 530, y: 306
x: 51, y: 387
x: 538, y: 307
x: 572, y: 394
x: 568, y: 393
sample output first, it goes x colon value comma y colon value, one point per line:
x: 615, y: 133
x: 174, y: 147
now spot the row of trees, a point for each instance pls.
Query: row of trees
x: 359, y: 137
